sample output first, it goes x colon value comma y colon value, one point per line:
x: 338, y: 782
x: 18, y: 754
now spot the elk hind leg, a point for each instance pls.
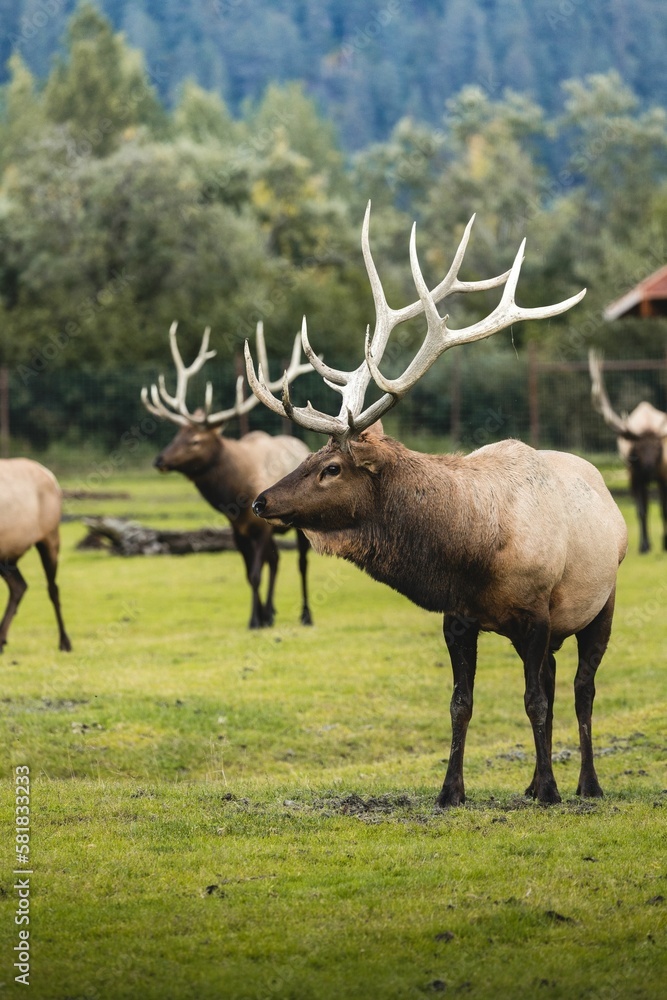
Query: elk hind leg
x: 540, y: 674
x: 461, y: 638
x: 591, y: 643
x: 549, y: 681
x: 303, y: 545
x: 640, y: 492
x: 17, y: 588
x: 662, y: 488
x: 48, y: 552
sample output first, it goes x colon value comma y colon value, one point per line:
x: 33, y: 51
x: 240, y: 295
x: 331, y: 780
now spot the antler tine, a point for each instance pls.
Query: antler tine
x: 261, y: 348
x: 183, y: 372
x: 332, y: 376
x: 157, y: 408
x: 306, y: 416
x: 440, y: 337
x: 599, y: 395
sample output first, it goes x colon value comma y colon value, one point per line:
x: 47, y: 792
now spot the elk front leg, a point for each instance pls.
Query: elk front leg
x: 17, y: 588
x: 303, y: 546
x: 592, y: 643
x: 248, y: 548
x: 269, y: 554
x: 538, y: 673
x: 461, y: 638
x: 640, y: 493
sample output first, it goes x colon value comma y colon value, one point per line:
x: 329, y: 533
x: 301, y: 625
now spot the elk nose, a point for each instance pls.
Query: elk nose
x: 259, y: 505
x: 158, y: 462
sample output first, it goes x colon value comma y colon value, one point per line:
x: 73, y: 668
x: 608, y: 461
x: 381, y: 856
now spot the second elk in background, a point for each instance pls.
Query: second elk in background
x: 230, y: 473
x: 642, y: 443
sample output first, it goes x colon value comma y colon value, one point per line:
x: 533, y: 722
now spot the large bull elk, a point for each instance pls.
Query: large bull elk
x: 31, y: 508
x: 229, y: 473
x: 642, y: 444
x: 507, y: 539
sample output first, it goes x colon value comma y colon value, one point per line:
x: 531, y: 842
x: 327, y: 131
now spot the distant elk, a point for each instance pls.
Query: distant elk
x: 31, y: 509
x: 507, y: 539
x: 642, y: 444
x: 229, y: 473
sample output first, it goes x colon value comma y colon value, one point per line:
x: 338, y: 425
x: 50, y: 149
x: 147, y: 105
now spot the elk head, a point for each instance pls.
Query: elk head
x: 198, y: 440
x: 331, y: 488
x: 641, y: 434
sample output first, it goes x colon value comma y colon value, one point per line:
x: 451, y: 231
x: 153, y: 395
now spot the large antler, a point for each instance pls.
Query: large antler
x: 600, y: 397
x: 352, y: 418
x: 174, y: 408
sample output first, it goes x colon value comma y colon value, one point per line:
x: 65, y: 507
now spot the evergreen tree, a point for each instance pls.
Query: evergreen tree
x: 100, y: 89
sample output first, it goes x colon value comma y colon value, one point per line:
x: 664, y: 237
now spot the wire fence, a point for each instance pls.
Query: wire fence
x: 479, y: 399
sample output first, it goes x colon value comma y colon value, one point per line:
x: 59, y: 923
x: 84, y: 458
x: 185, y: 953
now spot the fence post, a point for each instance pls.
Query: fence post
x: 533, y: 395
x: 4, y: 411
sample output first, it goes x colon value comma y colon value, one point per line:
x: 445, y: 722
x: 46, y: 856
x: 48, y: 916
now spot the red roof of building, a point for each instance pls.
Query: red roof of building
x: 648, y: 298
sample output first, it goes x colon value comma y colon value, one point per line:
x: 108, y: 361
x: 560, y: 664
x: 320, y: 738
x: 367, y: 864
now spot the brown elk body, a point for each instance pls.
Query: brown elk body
x: 31, y: 509
x: 642, y: 444
x: 507, y: 539
x: 229, y: 473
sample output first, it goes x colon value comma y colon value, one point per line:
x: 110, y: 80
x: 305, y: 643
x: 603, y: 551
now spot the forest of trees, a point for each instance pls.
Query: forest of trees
x: 367, y: 64
x: 122, y: 209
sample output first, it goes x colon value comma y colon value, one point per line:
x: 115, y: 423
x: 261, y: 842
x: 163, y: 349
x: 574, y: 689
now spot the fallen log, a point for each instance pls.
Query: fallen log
x: 129, y: 538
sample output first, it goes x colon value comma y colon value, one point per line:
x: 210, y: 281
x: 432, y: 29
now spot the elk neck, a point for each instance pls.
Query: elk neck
x: 429, y: 532
x: 221, y: 480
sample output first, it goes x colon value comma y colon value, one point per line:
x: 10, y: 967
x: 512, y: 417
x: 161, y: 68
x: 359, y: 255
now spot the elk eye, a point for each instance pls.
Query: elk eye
x: 331, y: 470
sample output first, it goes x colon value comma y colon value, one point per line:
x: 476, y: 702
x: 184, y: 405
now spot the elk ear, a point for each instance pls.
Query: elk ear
x: 375, y: 429
x: 368, y: 454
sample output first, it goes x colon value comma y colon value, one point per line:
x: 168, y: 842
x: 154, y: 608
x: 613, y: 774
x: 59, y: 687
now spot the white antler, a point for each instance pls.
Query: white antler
x: 174, y: 408
x: 352, y: 386
x: 600, y: 397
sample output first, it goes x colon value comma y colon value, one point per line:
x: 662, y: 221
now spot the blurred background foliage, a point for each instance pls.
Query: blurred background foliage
x: 139, y: 187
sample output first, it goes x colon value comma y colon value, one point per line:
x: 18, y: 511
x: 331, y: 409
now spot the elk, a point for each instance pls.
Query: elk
x: 229, y: 473
x: 507, y: 539
x: 31, y: 508
x: 642, y: 444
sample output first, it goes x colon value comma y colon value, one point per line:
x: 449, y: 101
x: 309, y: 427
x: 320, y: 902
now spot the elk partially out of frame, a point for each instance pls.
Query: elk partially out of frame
x: 642, y: 444
x: 507, y: 539
x: 31, y: 508
x: 229, y: 473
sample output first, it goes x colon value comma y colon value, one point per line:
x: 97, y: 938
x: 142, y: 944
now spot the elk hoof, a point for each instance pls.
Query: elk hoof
x: 590, y: 789
x: 548, y: 794
x: 306, y: 618
x: 449, y: 797
x: 65, y: 645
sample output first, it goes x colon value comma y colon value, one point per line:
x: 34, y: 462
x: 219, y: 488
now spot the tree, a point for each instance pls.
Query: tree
x: 203, y: 117
x: 100, y: 88
x: 23, y: 112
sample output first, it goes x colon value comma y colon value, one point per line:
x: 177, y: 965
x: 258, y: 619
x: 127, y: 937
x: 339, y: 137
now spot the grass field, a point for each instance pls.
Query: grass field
x: 224, y: 814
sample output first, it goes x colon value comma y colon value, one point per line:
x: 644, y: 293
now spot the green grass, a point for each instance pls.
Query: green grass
x: 225, y: 814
